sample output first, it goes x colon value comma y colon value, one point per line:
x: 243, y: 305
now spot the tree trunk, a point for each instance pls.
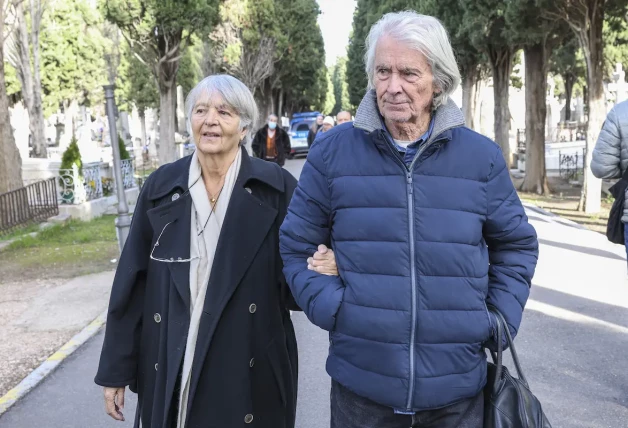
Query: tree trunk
x: 501, y: 63
x: 23, y: 65
x: 264, y: 102
x: 535, y: 180
x: 174, y: 107
x: 272, y: 102
x: 167, y: 148
x: 469, y: 96
x: 280, y: 102
x: 37, y: 113
x: 477, y: 104
x: 569, y: 81
x: 142, y: 114
x: 592, y: 46
x: 10, y: 160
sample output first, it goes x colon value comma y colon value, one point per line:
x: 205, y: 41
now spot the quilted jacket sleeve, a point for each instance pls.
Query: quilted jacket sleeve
x: 306, y: 226
x: 512, y: 246
x: 606, y: 154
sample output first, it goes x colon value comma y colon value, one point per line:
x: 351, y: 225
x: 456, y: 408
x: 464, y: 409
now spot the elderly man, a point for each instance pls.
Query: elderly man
x: 427, y: 230
x: 343, y: 117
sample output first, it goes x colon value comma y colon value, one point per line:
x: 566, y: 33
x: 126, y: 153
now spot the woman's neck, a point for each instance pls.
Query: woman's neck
x: 214, y: 167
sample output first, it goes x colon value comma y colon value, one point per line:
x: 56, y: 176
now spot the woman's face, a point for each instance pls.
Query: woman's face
x: 215, y: 126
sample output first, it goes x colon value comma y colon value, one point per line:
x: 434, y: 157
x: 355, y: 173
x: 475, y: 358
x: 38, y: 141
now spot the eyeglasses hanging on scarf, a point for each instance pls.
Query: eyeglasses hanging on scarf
x: 213, y: 201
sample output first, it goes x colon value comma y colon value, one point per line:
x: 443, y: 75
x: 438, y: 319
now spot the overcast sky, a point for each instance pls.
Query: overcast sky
x: 335, y: 21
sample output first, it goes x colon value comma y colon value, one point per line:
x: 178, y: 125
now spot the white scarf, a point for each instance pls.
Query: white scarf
x: 203, y: 246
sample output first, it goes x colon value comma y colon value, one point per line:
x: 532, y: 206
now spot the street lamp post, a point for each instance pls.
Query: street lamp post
x: 123, y: 221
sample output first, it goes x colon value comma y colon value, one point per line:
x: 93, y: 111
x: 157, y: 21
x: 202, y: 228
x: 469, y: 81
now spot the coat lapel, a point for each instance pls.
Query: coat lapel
x: 246, y: 225
x: 173, y: 221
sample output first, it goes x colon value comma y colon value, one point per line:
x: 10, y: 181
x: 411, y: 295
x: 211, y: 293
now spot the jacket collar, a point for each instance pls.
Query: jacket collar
x: 368, y: 118
x: 174, y: 176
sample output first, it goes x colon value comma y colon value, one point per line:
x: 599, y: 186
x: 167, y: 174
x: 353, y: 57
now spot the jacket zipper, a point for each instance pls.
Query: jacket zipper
x: 414, y: 291
x: 410, y: 196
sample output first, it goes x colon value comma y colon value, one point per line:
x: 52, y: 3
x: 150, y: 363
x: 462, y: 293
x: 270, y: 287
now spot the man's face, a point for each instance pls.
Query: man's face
x: 327, y: 127
x: 403, y: 80
x: 343, y: 117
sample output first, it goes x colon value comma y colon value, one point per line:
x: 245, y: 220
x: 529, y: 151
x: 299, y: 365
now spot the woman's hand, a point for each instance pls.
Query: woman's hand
x: 114, y: 403
x: 323, y: 261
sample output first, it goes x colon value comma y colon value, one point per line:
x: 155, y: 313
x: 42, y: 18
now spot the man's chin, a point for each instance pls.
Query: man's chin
x: 397, y: 118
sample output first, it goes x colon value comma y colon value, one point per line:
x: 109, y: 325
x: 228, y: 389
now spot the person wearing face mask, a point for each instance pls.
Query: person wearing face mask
x: 271, y: 142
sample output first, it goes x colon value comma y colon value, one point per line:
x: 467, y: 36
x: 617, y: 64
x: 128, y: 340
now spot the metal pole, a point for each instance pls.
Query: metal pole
x: 123, y: 221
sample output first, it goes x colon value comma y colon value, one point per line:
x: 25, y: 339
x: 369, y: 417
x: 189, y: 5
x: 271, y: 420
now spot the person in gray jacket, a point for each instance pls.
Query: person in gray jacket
x: 610, y: 156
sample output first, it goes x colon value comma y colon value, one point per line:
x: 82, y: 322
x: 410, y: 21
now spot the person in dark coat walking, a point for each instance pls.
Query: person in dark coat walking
x: 199, y: 322
x: 314, y: 129
x: 271, y: 142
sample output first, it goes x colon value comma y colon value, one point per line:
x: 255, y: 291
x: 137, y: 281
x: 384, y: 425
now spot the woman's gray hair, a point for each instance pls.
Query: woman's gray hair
x: 235, y: 94
x: 425, y: 34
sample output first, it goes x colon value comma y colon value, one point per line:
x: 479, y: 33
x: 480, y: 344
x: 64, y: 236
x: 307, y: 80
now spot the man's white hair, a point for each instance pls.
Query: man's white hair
x: 425, y: 34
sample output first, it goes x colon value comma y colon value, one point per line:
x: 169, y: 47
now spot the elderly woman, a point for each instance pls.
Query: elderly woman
x: 199, y: 323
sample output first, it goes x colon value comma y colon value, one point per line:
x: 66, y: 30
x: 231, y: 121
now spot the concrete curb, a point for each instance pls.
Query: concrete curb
x: 48, y: 366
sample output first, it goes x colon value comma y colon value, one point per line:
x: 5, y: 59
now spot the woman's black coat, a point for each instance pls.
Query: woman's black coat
x: 245, y: 366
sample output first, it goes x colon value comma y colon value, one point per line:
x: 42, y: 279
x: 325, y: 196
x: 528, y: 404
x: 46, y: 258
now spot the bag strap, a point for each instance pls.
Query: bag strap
x: 502, y: 328
x: 497, y: 359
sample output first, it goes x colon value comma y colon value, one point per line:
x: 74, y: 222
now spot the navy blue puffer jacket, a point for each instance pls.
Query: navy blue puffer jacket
x: 420, y: 252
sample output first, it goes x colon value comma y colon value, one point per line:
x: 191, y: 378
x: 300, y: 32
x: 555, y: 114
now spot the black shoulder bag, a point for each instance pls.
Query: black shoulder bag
x: 614, y: 227
x: 508, y: 401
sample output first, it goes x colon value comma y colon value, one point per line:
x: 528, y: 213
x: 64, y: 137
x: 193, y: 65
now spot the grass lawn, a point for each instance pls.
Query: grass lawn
x: 62, y: 251
x: 563, y: 201
x: 20, y: 231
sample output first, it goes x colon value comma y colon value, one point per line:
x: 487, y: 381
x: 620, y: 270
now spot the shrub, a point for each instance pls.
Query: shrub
x: 124, y: 154
x: 71, y: 156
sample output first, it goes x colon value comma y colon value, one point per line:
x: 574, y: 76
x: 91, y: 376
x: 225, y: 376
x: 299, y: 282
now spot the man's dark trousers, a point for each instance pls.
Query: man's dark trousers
x: 349, y: 410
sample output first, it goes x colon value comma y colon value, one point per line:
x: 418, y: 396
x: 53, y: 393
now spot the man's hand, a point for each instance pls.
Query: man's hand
x: 323, y: 261
x: 114, y: 403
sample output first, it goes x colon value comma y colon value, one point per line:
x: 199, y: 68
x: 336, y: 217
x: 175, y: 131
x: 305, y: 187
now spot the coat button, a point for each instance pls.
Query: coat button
x: 248, y: 419
x: 252, y: 362
x: 156, y: 365
x: 175, y: 197
x: 157, y: 318
x: 252, y: 308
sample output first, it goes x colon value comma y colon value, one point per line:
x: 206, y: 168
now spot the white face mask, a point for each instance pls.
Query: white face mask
x: 272, y: 125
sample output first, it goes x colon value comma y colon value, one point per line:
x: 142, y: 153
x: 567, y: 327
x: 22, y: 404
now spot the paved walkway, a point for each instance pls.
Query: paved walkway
x: 37, y: 318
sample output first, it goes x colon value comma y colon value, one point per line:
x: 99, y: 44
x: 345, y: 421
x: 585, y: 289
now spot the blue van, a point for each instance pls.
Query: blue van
x: 299, y: 129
